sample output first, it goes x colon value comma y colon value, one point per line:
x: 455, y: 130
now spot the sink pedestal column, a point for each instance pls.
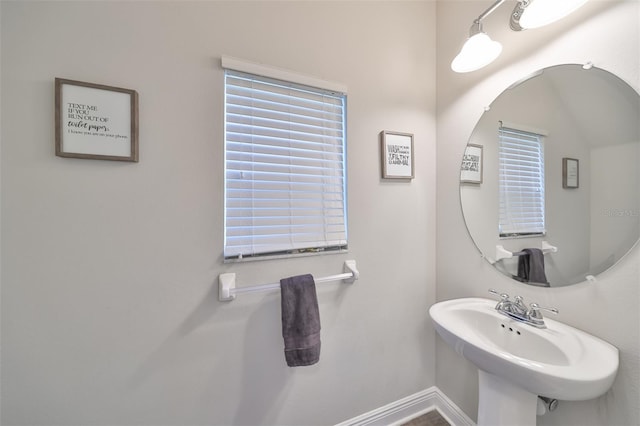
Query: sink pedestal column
x: 503, y: 403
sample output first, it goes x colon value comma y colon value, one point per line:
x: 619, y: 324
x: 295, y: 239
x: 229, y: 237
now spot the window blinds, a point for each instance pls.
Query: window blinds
x: 284, y: 167
x: 521, y: 181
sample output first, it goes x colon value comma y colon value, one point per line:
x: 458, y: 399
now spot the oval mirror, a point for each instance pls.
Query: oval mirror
x: 550, y: 183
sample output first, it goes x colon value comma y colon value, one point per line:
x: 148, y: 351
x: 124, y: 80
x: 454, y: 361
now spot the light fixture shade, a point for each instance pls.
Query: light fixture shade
x: 539, y: 13
x: 478, y: 51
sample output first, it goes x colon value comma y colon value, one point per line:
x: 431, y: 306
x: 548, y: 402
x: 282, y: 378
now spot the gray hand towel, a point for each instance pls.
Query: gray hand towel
x: 531, y: 267
x: 300, y: 320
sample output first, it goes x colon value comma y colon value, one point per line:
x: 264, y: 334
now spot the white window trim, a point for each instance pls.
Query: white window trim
x: 281, y: 74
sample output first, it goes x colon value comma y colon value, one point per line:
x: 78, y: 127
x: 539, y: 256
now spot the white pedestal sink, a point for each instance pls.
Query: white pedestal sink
x: 518, y: 362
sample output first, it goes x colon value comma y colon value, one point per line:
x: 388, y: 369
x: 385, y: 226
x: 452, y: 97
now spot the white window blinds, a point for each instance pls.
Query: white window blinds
x: 284, y: 167
x: 521, y: 181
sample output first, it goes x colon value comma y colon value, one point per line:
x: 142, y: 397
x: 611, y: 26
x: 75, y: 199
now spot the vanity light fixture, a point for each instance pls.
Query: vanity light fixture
x: 538, y: 13
x: 479, y: 50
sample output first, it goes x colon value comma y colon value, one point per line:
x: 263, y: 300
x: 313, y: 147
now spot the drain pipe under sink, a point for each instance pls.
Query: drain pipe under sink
x: 546, y: 404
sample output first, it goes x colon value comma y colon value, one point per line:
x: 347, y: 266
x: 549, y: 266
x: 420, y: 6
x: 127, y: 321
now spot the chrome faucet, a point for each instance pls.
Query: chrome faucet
x: 517, y: 310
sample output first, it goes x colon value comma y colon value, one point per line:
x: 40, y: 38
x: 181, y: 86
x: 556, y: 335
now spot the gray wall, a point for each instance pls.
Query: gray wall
x: 607, y: 34
x: 109, y: 270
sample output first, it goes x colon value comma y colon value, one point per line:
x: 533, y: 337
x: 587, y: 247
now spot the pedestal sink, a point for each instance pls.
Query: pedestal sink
x: 518, y: 362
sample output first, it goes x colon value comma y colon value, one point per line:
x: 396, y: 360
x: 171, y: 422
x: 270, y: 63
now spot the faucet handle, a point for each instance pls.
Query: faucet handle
x: 504, y: 300
x: 535, y: 317
x: 503, y: 296
x: 534, y: 310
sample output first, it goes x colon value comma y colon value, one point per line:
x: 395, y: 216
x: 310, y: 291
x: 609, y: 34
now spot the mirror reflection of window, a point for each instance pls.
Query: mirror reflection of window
x: 521, y: 183
x: 585, y: 114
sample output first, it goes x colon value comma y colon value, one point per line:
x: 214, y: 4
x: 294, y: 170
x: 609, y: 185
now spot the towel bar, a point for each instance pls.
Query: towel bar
x: 227, y: 290
x: 502, y: 253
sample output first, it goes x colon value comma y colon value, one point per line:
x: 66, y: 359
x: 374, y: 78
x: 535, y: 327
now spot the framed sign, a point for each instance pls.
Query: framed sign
x: 396, y: 150
x: 94, y: 121
x: 471, y: 169
x: 570, y: 173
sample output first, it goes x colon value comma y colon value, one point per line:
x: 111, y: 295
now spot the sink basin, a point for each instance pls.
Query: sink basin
x: 519, y: 362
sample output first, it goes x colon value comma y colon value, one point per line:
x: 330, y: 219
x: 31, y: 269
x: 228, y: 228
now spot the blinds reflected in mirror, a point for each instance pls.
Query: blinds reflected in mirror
x: 521, y: 183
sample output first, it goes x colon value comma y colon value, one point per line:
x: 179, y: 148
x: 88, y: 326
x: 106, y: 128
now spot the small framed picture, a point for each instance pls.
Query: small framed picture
x: 570, y: 173
x: 471, y: 169
x: 96, y: 122
x: 396, y: 150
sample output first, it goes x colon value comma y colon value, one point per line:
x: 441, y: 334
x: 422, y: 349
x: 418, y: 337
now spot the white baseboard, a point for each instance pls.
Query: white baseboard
x: 403, y: 410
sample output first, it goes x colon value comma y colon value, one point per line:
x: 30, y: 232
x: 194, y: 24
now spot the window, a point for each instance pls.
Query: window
x: 521, y: 181
x: 285, y: 173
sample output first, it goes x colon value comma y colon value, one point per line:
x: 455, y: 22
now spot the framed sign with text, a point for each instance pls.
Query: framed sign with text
x: 96, y: 122
x: 471, y: 169
x: 396, y: 150
x: 570, y: 173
